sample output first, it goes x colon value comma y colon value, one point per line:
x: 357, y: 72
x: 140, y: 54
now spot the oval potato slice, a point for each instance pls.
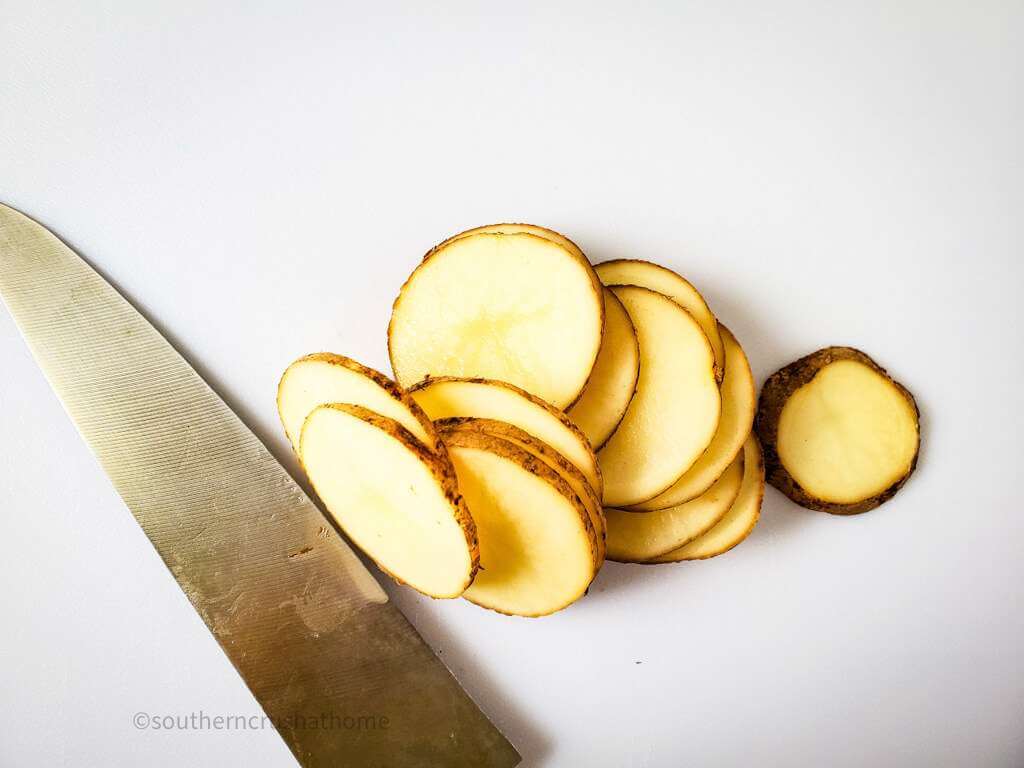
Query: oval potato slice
x: 675, y: 411
x: 448, y: 397
x: 538, y: 448
x: 635, y: 537
x: 613, y: 381
x: 537, y: 544
x: 738, y: 522
x: 739, y: 402
x: 324, y: 377
x: 512, y: 307
x: 839, y: 434
x: 646, y: 274
x: 394, y: 499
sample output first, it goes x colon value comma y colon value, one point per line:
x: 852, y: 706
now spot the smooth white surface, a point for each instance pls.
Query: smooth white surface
x: 260, y: 178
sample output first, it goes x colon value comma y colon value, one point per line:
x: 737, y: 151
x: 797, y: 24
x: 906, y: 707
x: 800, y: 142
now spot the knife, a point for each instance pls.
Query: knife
x: 341, y: 674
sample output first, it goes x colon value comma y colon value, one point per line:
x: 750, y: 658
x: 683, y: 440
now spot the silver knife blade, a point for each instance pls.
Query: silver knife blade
x: 341, y: 674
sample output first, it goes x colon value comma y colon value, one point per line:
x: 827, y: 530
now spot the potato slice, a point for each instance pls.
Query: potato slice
x: 613, y: 381
x: 739, y: 402
x: 541, y: 450
x: 394, y: 499
x: 328, y: 378
x: 839, y: 434
x: 738, y: 522
x: 635, y: 537
x: 675, y: 411
x: 537, y: 544
x: 448, y: 397
x: 513, y: 307
x: 530, y: 229
x: 666, y: 282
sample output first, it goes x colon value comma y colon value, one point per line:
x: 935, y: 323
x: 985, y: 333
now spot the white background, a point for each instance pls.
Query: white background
x: 260, y: 178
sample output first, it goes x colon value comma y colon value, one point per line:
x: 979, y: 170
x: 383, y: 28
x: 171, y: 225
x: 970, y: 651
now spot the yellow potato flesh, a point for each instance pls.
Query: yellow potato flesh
x: 738, y: 522
x: 611, y: 385
x: 535, y: 555
x: 848, y: 434
x: 739, y: 402
x: 666, y: 282
x: 675, y: 411
x: 634, y: 537
x: 388, y: 499
x: 446, y: 398
x: 513, y: 307
x: 309, y: 383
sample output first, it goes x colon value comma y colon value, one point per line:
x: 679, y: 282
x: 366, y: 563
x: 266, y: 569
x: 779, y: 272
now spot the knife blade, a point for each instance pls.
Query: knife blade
x: 341, y: 674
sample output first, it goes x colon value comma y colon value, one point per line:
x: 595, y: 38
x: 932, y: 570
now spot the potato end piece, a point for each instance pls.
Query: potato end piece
x: 367, y: 479
x: 795, y: 378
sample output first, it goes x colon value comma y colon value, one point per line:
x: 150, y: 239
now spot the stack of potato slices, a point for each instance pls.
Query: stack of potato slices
x: 545, y: 415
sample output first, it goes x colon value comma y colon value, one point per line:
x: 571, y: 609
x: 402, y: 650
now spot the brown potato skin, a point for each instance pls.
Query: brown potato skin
x: 774, y: 394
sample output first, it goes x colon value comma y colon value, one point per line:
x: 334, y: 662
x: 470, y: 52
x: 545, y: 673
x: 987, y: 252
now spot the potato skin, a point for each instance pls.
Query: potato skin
x: 774, y: 394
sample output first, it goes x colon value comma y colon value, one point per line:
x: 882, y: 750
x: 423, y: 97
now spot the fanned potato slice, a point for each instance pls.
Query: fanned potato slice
x: 839, y: 434
x: 635, y: 537
x: 613, y: 381
x: 509, y: 228
x: 739, y: 402
x: 738, y: 522
x: 324, y: 377
x: 675, y: 411
x: 394, y: 499
x: 448, y: 397
x: 666, y: 282
x: 512, y: 307
x: 568, y: 471
x: 537, y: 543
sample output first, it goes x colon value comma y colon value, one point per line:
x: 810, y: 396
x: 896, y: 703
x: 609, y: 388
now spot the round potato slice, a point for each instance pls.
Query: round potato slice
x: 675, y: 411
x: 739, y: 402
x: 324, y: 377
x: 839, y: 434
x: 394, y: 499
x: 538, y: 448
x: 509, y: 228
x: 447, y: 397
x: 536, y: 541
x: 611, y: 386
x: 666, y: 282
x: 635, y: 537
x: 738, y: 522
x: 512, y: 307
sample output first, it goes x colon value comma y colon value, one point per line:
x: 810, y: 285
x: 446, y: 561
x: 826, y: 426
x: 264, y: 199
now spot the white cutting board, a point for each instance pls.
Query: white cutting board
x: 260, y: 180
